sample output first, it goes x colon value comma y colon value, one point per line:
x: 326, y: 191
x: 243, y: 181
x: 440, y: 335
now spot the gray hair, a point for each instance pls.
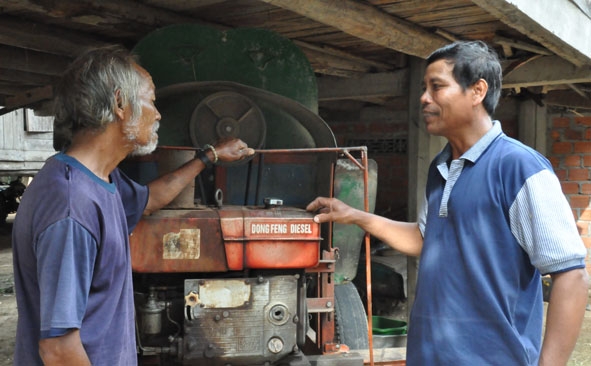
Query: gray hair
x: 85, y: 98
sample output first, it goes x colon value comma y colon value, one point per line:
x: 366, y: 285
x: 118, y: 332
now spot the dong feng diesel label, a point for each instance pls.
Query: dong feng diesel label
x: 303, y: 228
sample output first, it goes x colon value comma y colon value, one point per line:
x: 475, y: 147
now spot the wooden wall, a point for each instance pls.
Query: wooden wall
x: 26, y: 141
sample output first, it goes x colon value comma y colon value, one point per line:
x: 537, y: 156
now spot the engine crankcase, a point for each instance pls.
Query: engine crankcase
x: 244, y: 321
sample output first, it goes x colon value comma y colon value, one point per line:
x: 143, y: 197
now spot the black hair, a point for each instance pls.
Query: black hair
x: 472, y: 61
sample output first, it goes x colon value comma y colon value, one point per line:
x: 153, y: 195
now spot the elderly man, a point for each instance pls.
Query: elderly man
x: 72, y: 264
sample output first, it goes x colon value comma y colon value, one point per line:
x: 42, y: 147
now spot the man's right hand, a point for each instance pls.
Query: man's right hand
x: 331, y: 209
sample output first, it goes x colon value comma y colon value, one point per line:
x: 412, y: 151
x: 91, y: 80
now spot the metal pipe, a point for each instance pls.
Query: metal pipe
x: 368, y: 258
x: 259, y: 179
x: 247, y: 188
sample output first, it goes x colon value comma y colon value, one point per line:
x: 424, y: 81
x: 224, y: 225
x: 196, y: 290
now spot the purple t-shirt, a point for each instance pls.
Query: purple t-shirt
x: 72, y: 264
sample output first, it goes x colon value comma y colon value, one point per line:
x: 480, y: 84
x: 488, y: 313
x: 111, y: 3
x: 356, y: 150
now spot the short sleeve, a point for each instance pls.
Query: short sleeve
x: 134, y: 197
x: 542, y: 222
x: 422, y: 215
x: 65, y: 253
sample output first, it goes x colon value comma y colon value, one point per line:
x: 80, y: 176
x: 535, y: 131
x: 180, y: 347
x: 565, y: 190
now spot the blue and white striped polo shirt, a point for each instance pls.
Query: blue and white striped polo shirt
x: 493, y: 220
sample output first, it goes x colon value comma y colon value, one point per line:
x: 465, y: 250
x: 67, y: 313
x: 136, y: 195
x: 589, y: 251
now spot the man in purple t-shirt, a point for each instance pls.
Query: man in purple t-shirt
x: 72, y: 263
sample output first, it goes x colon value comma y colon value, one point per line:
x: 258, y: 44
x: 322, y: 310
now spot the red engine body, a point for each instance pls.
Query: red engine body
x: 231, y: 238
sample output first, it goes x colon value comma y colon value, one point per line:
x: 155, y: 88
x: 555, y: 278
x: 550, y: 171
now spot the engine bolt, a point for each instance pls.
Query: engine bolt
x: 275, y: 345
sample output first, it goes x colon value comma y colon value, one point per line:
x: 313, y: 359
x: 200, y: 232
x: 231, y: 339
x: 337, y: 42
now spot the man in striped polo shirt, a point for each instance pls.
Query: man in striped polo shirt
x: 494, y: 220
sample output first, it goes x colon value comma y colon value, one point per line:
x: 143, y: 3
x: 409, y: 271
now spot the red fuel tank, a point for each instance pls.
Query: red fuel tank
x: 279, y: 237
x: 229, y: 238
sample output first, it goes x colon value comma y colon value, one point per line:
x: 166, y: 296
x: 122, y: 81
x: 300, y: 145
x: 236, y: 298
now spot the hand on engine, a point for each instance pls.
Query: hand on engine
x: 232, y: 150
x: 331, y: 209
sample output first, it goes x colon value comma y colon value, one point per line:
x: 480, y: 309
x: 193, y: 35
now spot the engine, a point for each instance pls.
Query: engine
x: 247, y: 306
x: 247, y: 281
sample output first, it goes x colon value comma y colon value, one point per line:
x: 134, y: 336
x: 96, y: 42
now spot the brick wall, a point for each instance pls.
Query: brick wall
x: 570, y: 154
x: 392, y: 190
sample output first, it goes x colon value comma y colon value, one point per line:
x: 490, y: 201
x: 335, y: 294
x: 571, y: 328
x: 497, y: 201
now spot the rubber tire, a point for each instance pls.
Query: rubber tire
x: 350, y: 317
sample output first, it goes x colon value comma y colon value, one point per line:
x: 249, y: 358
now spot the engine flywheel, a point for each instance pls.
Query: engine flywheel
x: 224, y: 115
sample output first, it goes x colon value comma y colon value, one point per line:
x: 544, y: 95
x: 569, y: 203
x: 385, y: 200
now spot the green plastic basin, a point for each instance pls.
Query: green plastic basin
x: 387, y: 326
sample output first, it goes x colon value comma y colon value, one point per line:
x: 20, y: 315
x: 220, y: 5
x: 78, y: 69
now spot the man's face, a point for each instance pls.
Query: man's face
x: 447, y: 109
x: 142, y: 130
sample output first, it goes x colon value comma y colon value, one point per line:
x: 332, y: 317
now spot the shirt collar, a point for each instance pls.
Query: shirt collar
x: 71, y: 161
x: 477, y: 149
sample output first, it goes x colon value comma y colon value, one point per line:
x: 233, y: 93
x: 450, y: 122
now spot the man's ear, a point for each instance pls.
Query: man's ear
x: 479, y: 90
x: 119, y: 111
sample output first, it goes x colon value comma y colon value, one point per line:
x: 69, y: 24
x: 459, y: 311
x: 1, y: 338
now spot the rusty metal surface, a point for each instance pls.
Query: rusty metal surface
x: 262, y: 329
x: 270, y: 238
x: 387, y: 363
x: 178, y: 241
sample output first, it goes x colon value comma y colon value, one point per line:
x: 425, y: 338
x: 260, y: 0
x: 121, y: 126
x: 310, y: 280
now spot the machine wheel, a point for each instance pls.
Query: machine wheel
x: 225, y: 115
x: 350, y: 317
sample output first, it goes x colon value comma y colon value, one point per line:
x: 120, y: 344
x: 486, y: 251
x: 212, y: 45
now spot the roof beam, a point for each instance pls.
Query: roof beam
x: 546, y: 70
x: 39, y: 37
x: 558, y: 25
x: 387, y: 84
x: 367, y: 22
x: 32, y: 61
x: 506, y: 42
x: 566, y: 98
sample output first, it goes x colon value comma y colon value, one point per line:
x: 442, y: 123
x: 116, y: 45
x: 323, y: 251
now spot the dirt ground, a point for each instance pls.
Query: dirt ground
x: 580, y: 357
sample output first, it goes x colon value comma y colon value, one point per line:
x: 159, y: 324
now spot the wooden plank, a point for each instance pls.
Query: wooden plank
x: 382, y: 355
x: 12, y: 131
x: 32, y: 61
x: 12, y: 155
x: 352, y: 17
x: 108, y: 14
x: 548, y: 22
x: 30, y: 97
x: 521, y: 45
x: 39, y: 37
x: 35, y: 123
x: 454, y: 15
x: 422, y: 6
x: 380, y: 66
x: 20, y: 167
x: 33, y: 156
x: 26, y: 77
x: 546, y: 70
x: 36, y: 146
x: 39, y: 135
x: 566, y: 98
x: 369, y: 85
